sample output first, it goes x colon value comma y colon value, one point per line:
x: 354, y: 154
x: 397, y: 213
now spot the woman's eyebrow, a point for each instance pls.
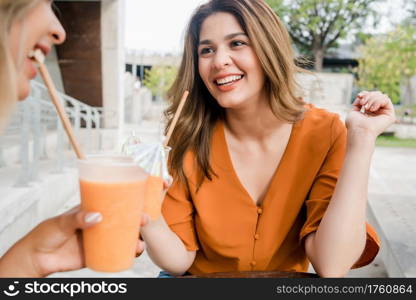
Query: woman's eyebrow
x: 233, y: 35
x: 227, y: 37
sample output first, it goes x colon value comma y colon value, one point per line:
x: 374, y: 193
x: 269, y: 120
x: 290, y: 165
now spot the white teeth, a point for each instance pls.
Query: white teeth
x: 228, y: 79
x: 37, y: 55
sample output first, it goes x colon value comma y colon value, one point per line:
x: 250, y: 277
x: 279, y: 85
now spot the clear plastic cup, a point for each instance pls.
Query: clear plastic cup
x: 154, y: 187
x: 113, y: 185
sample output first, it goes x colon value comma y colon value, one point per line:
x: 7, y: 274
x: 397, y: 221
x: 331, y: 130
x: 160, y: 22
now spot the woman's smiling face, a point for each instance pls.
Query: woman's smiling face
x: 227, y: 63
x: 38, y: 29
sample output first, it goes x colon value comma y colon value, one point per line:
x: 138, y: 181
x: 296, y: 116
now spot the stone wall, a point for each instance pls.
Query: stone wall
x: 327, y: 88
x: 408, y: 92
x: 404, y: 131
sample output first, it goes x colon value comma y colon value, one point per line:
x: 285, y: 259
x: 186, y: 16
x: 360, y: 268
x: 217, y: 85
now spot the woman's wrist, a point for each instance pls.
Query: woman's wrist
x: 19, y: 261
x: 361, y: 137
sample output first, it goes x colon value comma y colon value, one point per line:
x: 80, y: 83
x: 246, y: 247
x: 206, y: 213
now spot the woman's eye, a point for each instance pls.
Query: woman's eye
x: 206, y: 51
x: 238, y: 43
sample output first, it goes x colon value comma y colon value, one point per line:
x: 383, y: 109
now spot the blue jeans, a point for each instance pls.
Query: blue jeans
x: 164, y: 274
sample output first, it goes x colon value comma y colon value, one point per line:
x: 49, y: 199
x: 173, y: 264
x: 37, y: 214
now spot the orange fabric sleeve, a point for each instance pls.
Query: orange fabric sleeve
x: 323, y: 188
x: 372, y: 246
x: 178, y: 212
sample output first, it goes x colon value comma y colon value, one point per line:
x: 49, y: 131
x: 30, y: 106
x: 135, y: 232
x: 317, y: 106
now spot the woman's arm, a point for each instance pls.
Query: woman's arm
x: 55, y: 245
x: 166, y: 249
x: 52, y: 246
x: 341, y: 236
x: 18, y: 262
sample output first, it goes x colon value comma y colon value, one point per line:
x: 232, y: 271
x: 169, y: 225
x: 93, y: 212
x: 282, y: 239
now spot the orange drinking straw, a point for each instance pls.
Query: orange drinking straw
x: 40, y: 58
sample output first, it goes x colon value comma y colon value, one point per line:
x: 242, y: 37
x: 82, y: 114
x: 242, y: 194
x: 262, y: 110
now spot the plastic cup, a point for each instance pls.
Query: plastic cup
x: 153, y: 198
x: 154, y: 191
x: 114, y: 186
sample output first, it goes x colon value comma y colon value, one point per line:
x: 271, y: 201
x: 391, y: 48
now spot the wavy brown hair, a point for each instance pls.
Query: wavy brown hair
x: 272, y: 45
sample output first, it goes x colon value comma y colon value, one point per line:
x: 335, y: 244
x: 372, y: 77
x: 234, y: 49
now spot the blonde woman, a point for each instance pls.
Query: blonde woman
x: 55, y: 245
x: 263, y: 180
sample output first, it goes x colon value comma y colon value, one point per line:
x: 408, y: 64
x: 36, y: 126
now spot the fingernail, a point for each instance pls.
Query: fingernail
x: 93, y: 217
x: 366, y: 106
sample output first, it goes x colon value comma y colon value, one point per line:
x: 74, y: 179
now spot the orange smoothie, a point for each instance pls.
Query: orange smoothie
x: 110, y: 246
x: 153, y: 198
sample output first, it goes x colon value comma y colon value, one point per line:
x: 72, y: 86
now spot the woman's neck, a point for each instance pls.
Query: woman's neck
x: 255, y: 121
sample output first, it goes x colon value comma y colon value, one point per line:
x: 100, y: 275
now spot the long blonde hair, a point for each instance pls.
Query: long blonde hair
x: 10, y: 11
x: 272, y: 44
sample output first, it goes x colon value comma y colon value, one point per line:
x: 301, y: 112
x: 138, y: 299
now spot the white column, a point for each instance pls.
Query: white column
x: 134, y: 70
x: 113, y: 62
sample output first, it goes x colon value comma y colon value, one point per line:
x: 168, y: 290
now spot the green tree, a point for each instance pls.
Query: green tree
x: 389, y: 61
x: 411, y: 10
x: 159, y: 79
x: 317, y: 25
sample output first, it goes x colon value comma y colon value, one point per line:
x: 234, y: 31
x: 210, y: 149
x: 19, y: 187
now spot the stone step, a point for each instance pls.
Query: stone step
x: 23, y: 208
x: 393, y: 216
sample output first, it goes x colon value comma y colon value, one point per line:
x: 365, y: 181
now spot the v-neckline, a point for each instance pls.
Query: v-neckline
x: 236, y: 178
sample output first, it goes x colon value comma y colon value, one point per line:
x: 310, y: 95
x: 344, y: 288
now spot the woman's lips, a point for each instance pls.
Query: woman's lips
x: 31, y: 69
x: 229, y: 86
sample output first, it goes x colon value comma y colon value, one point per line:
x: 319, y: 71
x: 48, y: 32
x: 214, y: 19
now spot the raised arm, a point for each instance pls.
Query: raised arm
x: 341, y: 236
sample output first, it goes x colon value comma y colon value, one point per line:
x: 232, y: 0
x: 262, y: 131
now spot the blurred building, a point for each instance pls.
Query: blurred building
x: 344, y: 57
x: 89, y: 66
x: 138, y: 62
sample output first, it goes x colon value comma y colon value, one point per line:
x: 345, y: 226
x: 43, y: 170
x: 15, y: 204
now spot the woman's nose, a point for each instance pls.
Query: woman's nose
x: 57, y: 32
x: 222, y: 59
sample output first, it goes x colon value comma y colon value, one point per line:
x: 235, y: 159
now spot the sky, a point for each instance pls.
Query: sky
x: 158, y: 25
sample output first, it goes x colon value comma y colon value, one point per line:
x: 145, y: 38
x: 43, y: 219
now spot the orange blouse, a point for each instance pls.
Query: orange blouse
x: 231, y: 233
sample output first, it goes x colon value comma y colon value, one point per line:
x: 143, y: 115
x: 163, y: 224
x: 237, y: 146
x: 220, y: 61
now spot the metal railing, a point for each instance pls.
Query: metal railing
x: 35, y: 122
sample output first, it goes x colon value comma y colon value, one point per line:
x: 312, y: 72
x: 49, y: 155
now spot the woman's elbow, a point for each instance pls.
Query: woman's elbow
x: 331, y: 272
x: 181, y: 266
x: 176, y: 271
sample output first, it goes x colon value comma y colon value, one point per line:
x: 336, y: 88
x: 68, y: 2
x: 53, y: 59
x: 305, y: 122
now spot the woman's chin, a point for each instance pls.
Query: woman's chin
x: 24, y: 90
x: 230, y: 103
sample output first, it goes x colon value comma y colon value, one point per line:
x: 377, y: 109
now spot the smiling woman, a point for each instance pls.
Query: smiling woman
x: 263, y: 180
x: 253, y: 42
x: 26, y: 25
x: 38, y: 29
x: 55, y: 244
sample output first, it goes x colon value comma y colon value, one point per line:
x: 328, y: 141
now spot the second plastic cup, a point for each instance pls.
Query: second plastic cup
x: 115, y: 187
x: 154, y: 188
